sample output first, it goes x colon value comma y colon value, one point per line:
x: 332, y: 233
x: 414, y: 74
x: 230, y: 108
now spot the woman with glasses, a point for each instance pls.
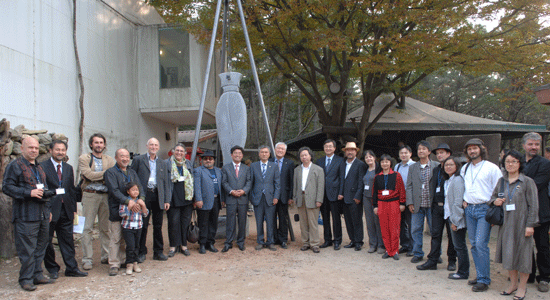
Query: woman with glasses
x: 179, y: 214
x: 517, y: 195
x: 373, y: 224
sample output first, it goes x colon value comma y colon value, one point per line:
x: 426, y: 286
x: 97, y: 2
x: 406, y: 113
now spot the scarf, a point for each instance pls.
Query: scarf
x: 187, y: 178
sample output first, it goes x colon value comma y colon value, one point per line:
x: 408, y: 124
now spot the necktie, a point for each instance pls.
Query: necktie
x: 328, y: 163
x: 59, y: 172
x: 263, y: 170
x: 280, y: 163
x: 237, y: 171
x: 59, y: 177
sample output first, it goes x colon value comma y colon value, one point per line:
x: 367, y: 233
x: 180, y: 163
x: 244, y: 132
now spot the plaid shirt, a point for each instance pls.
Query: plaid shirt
x: 425, y: 176
x: 129, y: 217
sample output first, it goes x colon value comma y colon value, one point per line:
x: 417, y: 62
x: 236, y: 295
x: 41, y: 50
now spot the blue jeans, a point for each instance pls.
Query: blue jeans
x: 417, y: 228
x: 479, y: 232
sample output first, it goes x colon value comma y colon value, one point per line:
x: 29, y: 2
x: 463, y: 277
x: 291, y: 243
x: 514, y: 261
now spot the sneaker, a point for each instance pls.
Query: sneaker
x: 87, y: 266
x: 113, y: 271
x: 543, y: 286
x: 137, y: 269
x: 129, y: 269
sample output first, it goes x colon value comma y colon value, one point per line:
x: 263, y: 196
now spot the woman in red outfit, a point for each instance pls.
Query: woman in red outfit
x: 388, y: 199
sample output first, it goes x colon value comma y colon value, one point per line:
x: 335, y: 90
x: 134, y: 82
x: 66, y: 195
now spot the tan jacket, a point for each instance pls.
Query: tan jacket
x: 88, y: 174
x: 315, y: 186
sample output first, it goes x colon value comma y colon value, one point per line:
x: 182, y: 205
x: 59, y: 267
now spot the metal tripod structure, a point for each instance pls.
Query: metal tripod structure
x: 209, y: 64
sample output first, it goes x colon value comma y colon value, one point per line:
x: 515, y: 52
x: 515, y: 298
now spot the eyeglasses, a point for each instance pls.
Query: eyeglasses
x: 511, y: 162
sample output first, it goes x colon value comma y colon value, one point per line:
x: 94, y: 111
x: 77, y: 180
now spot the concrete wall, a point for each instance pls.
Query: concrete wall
x: 38, y: 79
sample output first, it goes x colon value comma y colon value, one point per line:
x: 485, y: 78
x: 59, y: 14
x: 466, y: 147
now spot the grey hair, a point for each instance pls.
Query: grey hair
x: 281, y: 144
x: 262, y: 147
x: 530, y: 136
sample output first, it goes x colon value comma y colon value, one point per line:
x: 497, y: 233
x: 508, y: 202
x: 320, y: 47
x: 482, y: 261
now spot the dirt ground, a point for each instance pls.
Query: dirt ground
x: 281, y: 274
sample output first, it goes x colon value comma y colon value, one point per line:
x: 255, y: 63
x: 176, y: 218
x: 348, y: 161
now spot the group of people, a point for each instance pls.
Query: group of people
x: 396, y: 201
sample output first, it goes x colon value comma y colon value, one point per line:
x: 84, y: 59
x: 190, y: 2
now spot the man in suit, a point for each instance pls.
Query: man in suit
x: 208, y: 192
x: 94, y: 198
x: 60, y: 177
x: 116, y: 179
x: 419, y: 199
x: 264, y: 196
x: 538, y: 169
x: 309, y: 185
x: 154, y: 176
x: 236, y: 184
x: 286, y: 171
x: 331, y: 165
x: 351, y: 192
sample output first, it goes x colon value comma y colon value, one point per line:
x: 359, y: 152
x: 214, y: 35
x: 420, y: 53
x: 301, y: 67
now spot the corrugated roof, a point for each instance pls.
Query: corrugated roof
x: 187, y: 136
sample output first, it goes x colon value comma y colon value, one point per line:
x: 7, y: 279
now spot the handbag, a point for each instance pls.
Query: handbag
x: 193, y: 230
x: 495, y: 214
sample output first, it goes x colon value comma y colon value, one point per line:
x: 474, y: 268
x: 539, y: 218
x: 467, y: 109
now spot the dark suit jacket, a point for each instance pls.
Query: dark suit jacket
x: 332, y: 176
x: 351, y: 187
x: 538, y: 169
x: 116, y: 184
x: 230, y: 182
x: 204, y: 187
x: 140, y: 164
x: 286, y: 183
x: 67, y: 183
x: 270, y: 183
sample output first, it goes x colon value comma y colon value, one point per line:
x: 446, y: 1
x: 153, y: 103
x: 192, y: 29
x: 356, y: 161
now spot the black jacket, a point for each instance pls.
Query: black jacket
x: 538, y: 169
x: 116, y: 181
x: 67, y: 183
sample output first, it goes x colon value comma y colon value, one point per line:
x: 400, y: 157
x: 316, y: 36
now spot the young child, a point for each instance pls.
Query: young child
x: 132, y: 223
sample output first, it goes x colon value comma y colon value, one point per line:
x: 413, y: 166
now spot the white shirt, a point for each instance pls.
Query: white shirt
x: 305, y: 173
x: 55, y: 165
x: 348, y: 166
x: 480, y: 181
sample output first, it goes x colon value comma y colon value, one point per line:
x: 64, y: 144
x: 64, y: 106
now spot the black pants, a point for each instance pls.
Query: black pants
x: 542, y: 261
x: 280, y: 231
x: 262, y: 212
x: 132, y: 239
x: 438, y: 224
x: 31, y: 240
x: 405, y: 234
x: 64, y: 229
x: 336, y: 210
x: 179, y: 218
x: 325, y: 214
x: 208, y: 224
x: 353, y: 215
x: 234, y: 211
x: 152, y: 204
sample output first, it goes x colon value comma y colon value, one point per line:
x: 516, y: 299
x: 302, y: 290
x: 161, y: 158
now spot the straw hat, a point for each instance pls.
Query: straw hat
x: 350, y: 145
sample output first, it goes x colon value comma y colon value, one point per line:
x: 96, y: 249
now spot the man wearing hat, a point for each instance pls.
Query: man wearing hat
x: 351, y: 192
x: 480, y: 179
x: 419, y: 199
x: 439, y: 214
x: 208, y: 194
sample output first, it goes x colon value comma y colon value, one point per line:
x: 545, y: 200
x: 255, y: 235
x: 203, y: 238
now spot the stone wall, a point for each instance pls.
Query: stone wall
x: 10, y: 149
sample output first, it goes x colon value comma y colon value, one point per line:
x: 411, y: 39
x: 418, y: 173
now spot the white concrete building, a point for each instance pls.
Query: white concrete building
x: 142, y: 78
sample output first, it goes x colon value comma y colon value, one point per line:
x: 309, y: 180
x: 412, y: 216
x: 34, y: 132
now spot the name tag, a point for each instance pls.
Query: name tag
x: 423, y: 186
x: 134, y: 224
x: 438, y: 189
x: 40, y: 186
x: 510, y: 207
x: 60, y: 191
x: 367, y: 187
x: 385, y: 193
x: 180, y: 179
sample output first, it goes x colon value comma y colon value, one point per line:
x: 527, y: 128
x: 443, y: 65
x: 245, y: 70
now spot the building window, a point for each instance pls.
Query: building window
x: 174, y: 58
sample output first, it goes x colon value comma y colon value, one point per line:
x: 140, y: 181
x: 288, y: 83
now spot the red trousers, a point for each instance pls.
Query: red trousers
x: 390, y: 220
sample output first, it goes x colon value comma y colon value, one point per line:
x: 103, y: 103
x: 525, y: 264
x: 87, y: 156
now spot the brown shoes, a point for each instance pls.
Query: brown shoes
x: 315, y: 249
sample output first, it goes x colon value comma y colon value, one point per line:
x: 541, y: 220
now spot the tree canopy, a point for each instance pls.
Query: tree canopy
x: 330, y: 49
